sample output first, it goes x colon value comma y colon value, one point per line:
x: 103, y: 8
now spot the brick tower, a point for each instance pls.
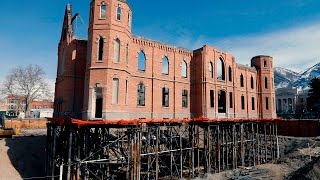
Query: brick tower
x: 265, y: 78
x: 109, y: 35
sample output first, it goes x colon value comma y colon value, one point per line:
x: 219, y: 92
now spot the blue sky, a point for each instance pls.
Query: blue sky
x: 288, y: 30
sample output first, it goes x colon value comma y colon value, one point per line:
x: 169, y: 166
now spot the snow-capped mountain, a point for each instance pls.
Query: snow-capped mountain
x: 286, y: 78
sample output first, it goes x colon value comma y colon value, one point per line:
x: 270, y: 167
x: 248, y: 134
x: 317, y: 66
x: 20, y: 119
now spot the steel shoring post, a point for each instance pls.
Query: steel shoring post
x: 254, y: 144
x: 181, y: 153
x: 265, y: 142
x: 277, y: 141
x: 157, y: 152
x: 197, y: 140
x: 223, y: 146
x: 218, y: 147
x: 205, y: 149
x: 69, y: 154
x: 258, y: 143
x: 227, y: 148
x: 242, y: 144
x: 54, y: 129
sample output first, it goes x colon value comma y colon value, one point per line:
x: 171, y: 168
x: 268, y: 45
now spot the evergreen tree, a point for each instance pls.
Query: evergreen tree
x: 314, y: 95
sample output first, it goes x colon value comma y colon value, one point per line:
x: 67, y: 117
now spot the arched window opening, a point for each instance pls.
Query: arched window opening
x: 119, y: 10
x: 220, y: 69
x: 211, y: 98
x: 252, y: 82
x: 99, y: 101
x: 211, y: 69
x: 242, y: 103
x: 100, y: 49
x: 103, y: 10
x: 116, y: 51
x: 266, y: 82
x: 184, y: 98
x: 141, y: 61
x: 127, y: 53
x: 230, y: 74
x: 141, y: 94
x: 241, y: 81
x: 115, y: 91
x: 267, y: 103
x: 184, y: 69
x: 264, y: 63
x: 230, y: 100
x: 165, y: 97
x: 252, y: 104
x: 165, y: 65
x: 222, y: 102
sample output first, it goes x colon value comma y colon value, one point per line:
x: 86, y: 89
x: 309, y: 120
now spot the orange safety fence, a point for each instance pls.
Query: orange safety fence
x: 81, y: 123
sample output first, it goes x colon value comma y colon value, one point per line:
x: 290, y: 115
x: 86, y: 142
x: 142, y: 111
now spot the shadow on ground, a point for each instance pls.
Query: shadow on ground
x: 27, y: 155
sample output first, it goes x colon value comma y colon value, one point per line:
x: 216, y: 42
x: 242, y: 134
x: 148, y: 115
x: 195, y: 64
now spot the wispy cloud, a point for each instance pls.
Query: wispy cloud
x: 295, y: 48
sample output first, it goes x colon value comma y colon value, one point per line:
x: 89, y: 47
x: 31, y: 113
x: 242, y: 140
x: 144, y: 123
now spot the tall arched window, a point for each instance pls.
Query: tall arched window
x: 222, y: 101
x: 119, y: 10
x: 100, y: 49
x: 116, y: 51
x: 165, y: 65
x: 230, y: 74
x: 184, y: 69
x: 242, y: 102
x: 141, y: 61
x: 127, y: 53
x: 141, y: 94
x: 115, y: 91
x: 241, y: 81
x: 252, y: 82
x: 211, y: 69
x: 253, y: 103
x: 220, y: 69
x: 266, y: 82
x: 103, y: 10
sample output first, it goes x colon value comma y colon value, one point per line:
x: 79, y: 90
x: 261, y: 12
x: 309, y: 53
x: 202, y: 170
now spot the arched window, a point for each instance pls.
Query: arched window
x: 264, y: 63
x: 100, y: 49
x: 116, y: 51
x: 220, y: 69
x: 165, y: 97
x: 103, y: 10
x: 184, y: 69
x: 266, y: 82
x: 115, y: 91
x: 252, y: 82
x: 141, y: 94
x: 127, y: 53
x: 252, y: 104
x: 141, y: 61
x: 242, y: 102
x: 165, y: 65
x: 241, y: 81
x: 119, y: 13
x: 211, y: 69
x: 222, y: 101
x: 230, y: 74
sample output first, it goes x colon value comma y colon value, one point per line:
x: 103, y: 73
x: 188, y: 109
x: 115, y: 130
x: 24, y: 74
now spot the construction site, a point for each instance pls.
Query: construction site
x: 158, y: 149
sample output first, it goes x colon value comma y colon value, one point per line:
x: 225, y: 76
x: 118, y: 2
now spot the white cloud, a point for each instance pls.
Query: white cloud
x: 295, y: 48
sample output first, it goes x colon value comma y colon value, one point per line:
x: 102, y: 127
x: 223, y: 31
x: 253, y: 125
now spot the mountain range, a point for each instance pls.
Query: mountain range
x: 287, y: 78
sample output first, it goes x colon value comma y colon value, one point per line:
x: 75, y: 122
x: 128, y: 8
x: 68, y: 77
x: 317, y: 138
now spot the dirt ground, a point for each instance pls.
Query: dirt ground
x: 24, y: 157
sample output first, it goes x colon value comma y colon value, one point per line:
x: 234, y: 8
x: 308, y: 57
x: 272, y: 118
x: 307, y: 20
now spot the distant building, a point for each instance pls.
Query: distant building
x: 291, y: 100
x: 41, y: 109
x: 118, y: 75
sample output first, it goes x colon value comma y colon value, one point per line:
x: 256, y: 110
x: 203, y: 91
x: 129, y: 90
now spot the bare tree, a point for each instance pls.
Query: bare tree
x: 28, y: 84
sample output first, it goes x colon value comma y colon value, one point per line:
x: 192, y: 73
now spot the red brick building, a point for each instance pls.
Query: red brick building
x: 117, y: 75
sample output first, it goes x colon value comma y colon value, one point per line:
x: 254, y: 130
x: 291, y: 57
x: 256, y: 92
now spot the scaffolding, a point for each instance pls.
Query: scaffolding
x: 157, y: 149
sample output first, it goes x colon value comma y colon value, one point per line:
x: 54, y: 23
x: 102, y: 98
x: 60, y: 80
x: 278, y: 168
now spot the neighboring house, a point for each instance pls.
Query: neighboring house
x: 15, y: 105
x: 41, y: 109
x: 118, y: 75
x: 291, y: 100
